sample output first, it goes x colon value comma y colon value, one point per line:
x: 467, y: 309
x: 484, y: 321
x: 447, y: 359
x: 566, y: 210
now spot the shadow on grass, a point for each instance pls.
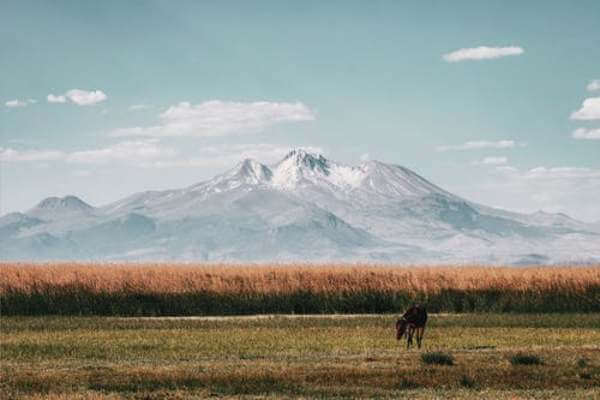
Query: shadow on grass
x: 438, y: 358
x: 525, y: 359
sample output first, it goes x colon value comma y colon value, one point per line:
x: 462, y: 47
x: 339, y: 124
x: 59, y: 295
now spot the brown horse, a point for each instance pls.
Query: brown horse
x: 413, y: 321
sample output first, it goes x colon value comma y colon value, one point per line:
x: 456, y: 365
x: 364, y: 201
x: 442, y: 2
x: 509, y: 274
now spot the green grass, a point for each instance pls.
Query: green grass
x: 297, y: 356
x: 81, y: 301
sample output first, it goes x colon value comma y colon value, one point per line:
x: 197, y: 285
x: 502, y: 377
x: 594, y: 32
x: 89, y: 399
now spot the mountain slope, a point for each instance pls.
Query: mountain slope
x: 54, y: 208
x: 305, y: 207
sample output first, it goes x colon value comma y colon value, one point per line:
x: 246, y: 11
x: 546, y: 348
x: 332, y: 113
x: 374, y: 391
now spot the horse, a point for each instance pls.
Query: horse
x: 413, y: 321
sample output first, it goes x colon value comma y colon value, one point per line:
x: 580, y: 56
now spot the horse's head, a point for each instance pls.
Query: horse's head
x: 401, y: 326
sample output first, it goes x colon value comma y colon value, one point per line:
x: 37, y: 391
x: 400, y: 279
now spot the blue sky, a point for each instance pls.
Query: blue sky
x: 103, y: 99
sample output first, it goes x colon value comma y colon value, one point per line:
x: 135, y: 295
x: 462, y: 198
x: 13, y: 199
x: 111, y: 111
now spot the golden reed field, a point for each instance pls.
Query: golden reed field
x: 215, y: 289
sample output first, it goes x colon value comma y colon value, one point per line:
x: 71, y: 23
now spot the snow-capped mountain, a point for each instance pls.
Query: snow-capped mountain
x: 305, y: 207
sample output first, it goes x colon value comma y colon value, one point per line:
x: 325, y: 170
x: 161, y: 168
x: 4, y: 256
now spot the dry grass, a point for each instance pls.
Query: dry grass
x: 286, y: 278
x: 292, y: 288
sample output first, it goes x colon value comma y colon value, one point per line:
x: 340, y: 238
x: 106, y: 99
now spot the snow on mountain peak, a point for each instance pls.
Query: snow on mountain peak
x: 300, y: 167
x: 394, y: 180
x: 305, y: 159
x: 247, y: 172
x: 253, y: 172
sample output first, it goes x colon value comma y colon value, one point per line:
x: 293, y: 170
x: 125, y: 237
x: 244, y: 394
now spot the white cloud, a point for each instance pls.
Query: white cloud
x: 218, y: 118
x: 20, y: 103
x: 56, y: 99
x: 365, y: 157
x: 593, y: 85
x: 79, y: 97
x: 567, y: 189
x: 84, y: 97
x: 507, y: 168
x: 15, y: 103
x: 137, y: 131
x: 81, y: 173
x: 492, y: 161
x: 561, y: 172
x: 583, y: 133
x: 137, y: 107
x: 12, y: 155
x: 131, y: 152
x: 482, y: 53
x: 553, y: 189
x: 589, y: 110
x: 480, y: 144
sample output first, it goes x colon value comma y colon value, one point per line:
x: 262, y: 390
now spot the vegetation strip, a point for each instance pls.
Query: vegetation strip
x: 195, y: 290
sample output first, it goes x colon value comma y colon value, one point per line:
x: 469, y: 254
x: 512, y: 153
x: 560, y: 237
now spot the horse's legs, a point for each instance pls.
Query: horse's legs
x: 409, y: 337
x: 420, y: 333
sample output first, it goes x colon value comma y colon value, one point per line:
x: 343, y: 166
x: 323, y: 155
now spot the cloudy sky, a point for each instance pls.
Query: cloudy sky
x: 498, y: 103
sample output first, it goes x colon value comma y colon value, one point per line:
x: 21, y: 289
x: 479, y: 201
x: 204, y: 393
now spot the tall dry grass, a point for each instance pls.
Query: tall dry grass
x: 185, y: 289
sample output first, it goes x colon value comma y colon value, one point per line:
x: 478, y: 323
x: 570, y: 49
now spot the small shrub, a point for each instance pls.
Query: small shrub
x: 407, y: 384
x: 582, y: 363
x: 437, y: 357
x: 467, y: 381
x: 585, y: 375
x: 525, y: 359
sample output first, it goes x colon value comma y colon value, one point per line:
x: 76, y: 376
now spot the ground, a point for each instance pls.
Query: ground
x: 298, y: 357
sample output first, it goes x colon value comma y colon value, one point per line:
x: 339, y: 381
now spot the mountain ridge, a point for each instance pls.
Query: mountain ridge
x: 304, y: 207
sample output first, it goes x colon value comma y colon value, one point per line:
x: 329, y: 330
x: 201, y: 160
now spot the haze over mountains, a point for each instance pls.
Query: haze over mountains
x: 305, y: 207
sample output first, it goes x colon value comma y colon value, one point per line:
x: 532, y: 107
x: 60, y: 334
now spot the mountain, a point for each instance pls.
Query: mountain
x: 305, y: 207
x: 54, y: 208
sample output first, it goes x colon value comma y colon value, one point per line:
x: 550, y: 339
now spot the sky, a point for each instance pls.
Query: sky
x: 496, y: 102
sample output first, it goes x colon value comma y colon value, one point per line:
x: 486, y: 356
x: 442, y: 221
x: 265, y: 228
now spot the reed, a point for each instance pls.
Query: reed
x: 226, y: 289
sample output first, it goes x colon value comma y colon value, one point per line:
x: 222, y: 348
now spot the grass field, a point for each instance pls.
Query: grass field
x: 298, y: 356
x: 186, y: 289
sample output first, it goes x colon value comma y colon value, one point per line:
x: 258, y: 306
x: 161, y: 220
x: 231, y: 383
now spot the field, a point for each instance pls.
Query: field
x: 192, y: 290
x: 113, y: 331
x: 298, y: 356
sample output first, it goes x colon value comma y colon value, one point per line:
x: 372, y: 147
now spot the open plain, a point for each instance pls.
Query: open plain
x: 298, y: 357
x: 96, y: 331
